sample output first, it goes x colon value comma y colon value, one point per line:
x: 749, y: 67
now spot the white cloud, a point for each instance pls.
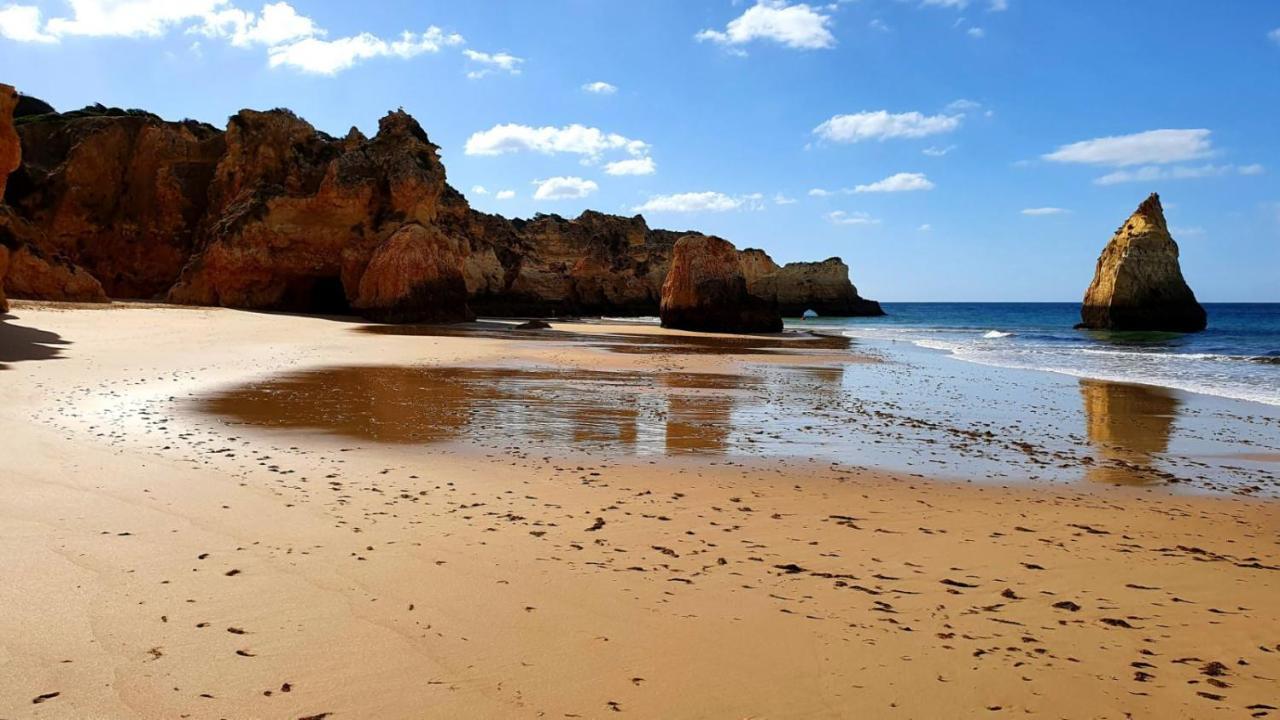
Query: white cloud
x: 479, y: 190
x: 1193, y: 231
x: 600, y: 87
x: 819, y: 192
x: 575, y: 139
x: 882, y: 125
x: 878, y: 24
x: 976, y: 32
x: 781, y: 199
x: 900, y: 182
x: 840, y: 217
x: 278, y: 24
x: 1153, y: 147
x: 998, y: 6
x: 292, y: 40
x: 932, y: 151
x: 505, y: 194
x: 957, y: 4
x: 22, y: 23
x: 563, y: 188
x: 1149, y: 173
x: 925, y: 228
x: 327, y: 57
x: 129, y: 18
x: 634, y: 166
x: 795, y: 26
x: 1275, y: 36
x: 691, y: 202
x: 492, y: 62
x: 1044, y: 211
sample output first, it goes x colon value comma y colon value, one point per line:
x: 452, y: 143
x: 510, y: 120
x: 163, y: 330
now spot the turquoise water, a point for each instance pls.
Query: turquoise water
x: 1237, y: 357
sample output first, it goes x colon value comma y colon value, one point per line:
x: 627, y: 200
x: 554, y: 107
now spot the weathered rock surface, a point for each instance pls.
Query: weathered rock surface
x: 415, y: 276
x: 706, y: 289
x: 823, y: 287
x: 10, y: 144
x: 1138, y: 284
x: 274, y: 214
x: 120, y: 193
x: 4, y: 268
x: 35, y: 276
x: 295, y: 215
x: 10, y: 159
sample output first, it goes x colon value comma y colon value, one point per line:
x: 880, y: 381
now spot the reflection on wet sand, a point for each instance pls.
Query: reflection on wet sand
x: 797, y: 342
x: 1129, y: 425
x: 671, y: 412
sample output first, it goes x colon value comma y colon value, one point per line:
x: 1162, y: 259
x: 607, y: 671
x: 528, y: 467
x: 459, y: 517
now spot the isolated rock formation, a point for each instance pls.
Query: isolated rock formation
x: 275, y: 214
x: 823, y: 287
x: 415, y: 276
x: 1138, y: 283
x: 706, y: 290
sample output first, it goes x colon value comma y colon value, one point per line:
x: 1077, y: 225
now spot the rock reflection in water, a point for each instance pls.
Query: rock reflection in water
x: 673, y: 412
x: 1129, y: 425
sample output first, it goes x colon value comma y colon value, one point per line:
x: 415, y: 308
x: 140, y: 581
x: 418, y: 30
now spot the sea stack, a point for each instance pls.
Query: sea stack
x: 1138, y: 284
x: 706, y: 290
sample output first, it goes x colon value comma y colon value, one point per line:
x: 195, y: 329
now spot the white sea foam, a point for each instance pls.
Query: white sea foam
x: 1227, y: 376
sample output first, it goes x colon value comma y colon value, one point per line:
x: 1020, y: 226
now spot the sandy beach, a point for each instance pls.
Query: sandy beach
x: 165, y: 562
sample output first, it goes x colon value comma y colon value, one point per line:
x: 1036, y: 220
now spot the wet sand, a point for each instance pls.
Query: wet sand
x: 582, y: 561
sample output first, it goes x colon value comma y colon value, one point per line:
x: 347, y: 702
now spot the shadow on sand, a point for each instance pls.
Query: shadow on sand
x: 19, y: 343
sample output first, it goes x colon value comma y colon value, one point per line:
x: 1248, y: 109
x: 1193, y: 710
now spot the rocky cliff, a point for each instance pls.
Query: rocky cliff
x: 10, y: 159
x: 1138, y: 283
x: 272, y: 213
x: 706, y: 289
x: 118, y: 193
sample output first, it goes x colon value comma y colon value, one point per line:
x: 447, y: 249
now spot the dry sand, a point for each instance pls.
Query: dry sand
x: 160, y: 564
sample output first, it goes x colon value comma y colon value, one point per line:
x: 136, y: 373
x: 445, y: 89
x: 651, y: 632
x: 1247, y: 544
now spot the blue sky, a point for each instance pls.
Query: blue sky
x: 946, y: 149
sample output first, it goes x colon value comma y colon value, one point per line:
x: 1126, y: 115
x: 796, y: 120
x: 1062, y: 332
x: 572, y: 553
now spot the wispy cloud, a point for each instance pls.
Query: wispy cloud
x: 1149, y: 173
x: 572, y: 139
x: 1153, y: 147
x: 633, y: 166
x: 492, y: 62
x: 1035, y: 212
x: 882, y: 125
x: 600, y: 87
x: 840, y: 217
x: 900, y: 182
x: 692, y: 202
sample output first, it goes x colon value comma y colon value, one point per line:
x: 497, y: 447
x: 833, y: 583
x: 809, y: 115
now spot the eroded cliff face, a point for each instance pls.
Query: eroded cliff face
x: 10, y: 143
x: 121, y: 194
x: 10, y: 159
x: 823, y: 287
x: 274, y: 214
x: 593, y: 264
x: 296, y: 215
x: 706, y: 289
x: 1138, y: 283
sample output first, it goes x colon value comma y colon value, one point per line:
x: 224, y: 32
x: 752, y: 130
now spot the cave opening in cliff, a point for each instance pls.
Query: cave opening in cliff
x: 317, y: 296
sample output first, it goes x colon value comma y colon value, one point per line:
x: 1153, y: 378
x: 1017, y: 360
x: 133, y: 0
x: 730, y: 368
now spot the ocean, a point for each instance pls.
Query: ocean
x: 1237, y: 357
